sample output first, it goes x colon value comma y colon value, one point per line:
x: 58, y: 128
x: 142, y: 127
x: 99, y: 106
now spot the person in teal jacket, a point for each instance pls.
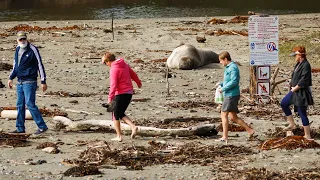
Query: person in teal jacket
x: 231, y: 93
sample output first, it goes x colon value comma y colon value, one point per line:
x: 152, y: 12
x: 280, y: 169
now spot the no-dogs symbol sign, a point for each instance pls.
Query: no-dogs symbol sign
x: 263, y: 88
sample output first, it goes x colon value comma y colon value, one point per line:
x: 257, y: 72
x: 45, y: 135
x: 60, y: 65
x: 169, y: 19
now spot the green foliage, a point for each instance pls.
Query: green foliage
x: 312, y: 44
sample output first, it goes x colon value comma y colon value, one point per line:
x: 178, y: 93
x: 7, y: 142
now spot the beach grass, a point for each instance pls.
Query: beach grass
x: 312, y: 44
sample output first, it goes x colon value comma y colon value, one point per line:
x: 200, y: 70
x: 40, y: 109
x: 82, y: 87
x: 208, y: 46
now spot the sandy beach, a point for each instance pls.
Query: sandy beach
x: 71, y: 57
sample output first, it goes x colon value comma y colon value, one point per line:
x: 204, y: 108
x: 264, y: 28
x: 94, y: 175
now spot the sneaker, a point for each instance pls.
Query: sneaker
x: 40, y: 131
x: 17, y: 132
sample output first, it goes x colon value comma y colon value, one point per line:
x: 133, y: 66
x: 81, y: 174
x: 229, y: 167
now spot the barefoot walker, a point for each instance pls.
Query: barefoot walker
x: 300, y: 94
x: 27, y: 63
x: 121, y: 91
x: 231, y: 92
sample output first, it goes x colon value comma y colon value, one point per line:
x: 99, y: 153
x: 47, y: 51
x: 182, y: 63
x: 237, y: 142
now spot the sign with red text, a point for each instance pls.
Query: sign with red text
x: 263, y: 40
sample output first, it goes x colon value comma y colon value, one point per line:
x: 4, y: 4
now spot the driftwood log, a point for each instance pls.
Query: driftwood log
x: 200, y: 130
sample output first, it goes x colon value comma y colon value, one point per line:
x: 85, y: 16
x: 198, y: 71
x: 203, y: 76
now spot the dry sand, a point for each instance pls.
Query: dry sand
x: 145, y: 39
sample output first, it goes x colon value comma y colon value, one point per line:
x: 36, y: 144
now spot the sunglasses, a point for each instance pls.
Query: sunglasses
x: 22, y: 39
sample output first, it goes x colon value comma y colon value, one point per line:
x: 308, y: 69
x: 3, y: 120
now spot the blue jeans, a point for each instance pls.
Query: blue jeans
x: 302, y: 110
x: 26, y: 95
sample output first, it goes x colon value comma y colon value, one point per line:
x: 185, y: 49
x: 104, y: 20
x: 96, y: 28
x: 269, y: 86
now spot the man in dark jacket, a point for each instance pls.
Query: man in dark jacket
x: 300, y: 94
x: 27, y: 63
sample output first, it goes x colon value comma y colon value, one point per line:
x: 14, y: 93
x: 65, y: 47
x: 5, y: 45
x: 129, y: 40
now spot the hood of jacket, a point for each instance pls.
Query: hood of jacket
x: 119, y: 63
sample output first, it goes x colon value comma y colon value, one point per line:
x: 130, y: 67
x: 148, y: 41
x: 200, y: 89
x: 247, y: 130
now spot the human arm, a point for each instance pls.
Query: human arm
x: 113, y: 84
x: 135, y: 77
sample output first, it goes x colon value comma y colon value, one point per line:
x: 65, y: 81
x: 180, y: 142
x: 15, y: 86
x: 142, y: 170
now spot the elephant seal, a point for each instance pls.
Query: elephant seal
x: 188, y: 57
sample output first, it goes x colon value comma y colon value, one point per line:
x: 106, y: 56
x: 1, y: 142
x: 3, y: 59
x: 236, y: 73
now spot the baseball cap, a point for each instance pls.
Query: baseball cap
x: 21, y: 34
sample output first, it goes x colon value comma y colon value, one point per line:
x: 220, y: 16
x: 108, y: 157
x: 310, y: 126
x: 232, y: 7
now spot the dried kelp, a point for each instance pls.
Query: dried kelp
x: 69, y: 94
x: 14, y: 140
x: 299, y: 131
x: 192, y: 104
x: 5, y: 66
x: 289, y: 143
x: 137, y: 157
x: 264, y: 174
x: 27, y: 28
x: 80, y: 171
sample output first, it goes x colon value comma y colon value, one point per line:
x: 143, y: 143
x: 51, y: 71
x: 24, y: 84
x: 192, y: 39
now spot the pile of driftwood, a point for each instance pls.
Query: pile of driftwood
x: 137, y: 157
x: 289, y: 143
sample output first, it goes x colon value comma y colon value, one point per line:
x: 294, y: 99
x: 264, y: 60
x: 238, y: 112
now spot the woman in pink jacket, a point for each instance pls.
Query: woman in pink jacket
x: 121, y: 90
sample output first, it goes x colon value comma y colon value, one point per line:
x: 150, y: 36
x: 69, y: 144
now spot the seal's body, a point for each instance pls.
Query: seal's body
x: 188, y: 57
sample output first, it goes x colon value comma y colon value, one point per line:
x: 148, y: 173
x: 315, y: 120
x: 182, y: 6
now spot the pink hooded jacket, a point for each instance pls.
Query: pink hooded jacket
x: 120, y: 79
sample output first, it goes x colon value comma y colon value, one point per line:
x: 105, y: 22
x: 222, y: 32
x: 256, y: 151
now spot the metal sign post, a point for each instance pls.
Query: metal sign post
x: 263, y: 43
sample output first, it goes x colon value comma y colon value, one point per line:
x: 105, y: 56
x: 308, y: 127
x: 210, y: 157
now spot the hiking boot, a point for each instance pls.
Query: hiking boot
x: 40, y: 131
x: 17, y: 132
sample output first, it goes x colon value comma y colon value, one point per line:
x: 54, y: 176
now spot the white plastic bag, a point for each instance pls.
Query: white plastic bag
x: 218, y: 98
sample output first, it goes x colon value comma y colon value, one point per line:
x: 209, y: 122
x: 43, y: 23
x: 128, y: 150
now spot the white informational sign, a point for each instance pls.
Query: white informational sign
x: 263, y: 40
x: 263, y: 72
x: 263, y: 88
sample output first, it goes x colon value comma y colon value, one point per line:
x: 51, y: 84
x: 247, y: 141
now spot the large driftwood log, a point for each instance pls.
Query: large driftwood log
x: 201, y: 130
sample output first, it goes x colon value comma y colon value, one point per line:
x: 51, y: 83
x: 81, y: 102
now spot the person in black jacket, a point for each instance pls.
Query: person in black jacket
x: 26, y: 65
x: 300, y: 94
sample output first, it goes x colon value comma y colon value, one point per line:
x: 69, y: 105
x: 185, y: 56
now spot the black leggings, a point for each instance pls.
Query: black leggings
x: 122, y: 103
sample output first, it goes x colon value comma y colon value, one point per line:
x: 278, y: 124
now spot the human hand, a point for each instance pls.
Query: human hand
x: 10, y: 83
x: 44, y: 87
x: 217, y: 85
x: 139, y: 85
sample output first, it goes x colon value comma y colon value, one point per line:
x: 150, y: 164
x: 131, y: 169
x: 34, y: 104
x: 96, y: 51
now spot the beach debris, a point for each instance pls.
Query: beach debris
x: 315, y: 70
x: 5, y: 66
x: 2, y: 85
x: 85, y: 125
x: 220, y: 32
x: 46, y: 144
x: 279, y: 132
x: 159, y: 60
x: 140, y: 99
x: 28, y: 28
x: 10, y: 112
x: 137, y: 157
x: 193, y: 104
x: 289, y: 143
x: 31, y: 162
x: 80, y: 171
x: 138, y: 61
x: 69, y: 94
x: 14, y: 140
x: 239, y: 19
x: 266, y: 174
x: 217, y: 21
x: 51, y: 150
x: 165, y: 51
x: 3, y: 35
x: 200, y: 39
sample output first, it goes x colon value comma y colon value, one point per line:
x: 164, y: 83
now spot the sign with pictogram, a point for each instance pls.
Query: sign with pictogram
x: 263, y: 40
x: 263, y: 88
x: 263, y: 72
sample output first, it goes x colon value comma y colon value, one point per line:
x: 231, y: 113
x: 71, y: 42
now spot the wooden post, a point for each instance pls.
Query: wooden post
x: 112, y: 25
x: 167, y: 79
x: 253, y: 82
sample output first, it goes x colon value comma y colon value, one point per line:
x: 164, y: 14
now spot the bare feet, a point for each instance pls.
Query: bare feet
x: 117, y: 139
x: 222, y: 140
x: 289, y: 133
x: 134, y: 132
x: 308, y: 138
x: 289, y: 128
